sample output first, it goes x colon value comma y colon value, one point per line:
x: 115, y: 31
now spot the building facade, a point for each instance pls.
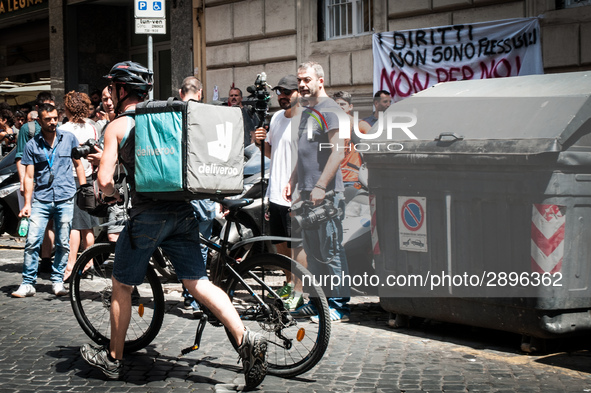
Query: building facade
x: 231, y: 41
x: 249, y: 36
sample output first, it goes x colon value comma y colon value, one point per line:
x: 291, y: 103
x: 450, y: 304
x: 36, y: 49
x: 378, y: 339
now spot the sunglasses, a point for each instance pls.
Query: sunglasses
x: 280, y: 90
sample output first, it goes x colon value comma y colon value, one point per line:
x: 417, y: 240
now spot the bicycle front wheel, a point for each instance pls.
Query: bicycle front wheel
x: 295, y: 345
x: 91, y: 289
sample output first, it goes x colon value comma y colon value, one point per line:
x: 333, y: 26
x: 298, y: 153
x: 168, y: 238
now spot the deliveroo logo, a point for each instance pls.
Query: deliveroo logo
x: 221, y: 147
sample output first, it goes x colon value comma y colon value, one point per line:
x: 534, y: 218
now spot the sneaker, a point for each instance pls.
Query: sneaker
x: 306, y: 310
x: 335, y: 316
x: 195, y: 306
x: 98, y: 357
x: 283, y: 292
x: 293, y: 302
x: 25, y: 290
x: 59, y: 289
x: 252, y: 352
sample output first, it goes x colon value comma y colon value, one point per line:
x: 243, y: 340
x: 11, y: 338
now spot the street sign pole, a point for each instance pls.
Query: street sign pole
x: 150, y: 18
x: 151, y: 61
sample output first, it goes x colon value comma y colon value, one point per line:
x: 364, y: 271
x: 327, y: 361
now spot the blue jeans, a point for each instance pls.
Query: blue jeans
x: 205, y: 212
x: 326, y: 255
x: 41, y: 212
x: 172, y: 226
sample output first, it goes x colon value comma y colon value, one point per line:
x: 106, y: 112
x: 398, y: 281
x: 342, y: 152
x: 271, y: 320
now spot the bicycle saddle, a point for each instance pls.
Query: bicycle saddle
x: 235, y: 204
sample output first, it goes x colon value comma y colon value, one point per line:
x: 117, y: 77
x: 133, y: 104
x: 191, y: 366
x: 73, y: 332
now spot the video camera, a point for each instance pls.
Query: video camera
x: 307, y: 216
x: 260, y: 94
x: 85, y: 149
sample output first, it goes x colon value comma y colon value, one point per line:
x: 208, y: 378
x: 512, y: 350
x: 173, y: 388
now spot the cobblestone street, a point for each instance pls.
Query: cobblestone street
x: 40, y: 342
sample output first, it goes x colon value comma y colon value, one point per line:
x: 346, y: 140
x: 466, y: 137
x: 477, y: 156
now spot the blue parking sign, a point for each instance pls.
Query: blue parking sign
x: 149, y: 9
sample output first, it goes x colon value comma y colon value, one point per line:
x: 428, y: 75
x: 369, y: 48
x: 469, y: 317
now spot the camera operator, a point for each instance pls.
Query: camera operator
x: 77, y: 107
x: 249, y: 116
x: 280, y: 146
x: 318, y: 172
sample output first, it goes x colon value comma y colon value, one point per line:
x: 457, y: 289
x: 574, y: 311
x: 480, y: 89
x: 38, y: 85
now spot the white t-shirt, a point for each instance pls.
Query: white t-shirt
x: 283, y: 143
x: 83, y: 132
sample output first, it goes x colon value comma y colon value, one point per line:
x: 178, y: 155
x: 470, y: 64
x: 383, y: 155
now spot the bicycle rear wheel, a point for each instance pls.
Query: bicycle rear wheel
x: 295, y: 344
x: 91, y: 289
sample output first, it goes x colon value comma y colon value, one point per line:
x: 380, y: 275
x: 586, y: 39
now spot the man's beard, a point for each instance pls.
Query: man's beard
x: 285, y: 103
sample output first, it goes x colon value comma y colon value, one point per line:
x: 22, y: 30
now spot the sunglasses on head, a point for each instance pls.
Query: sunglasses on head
x: 280, y: 90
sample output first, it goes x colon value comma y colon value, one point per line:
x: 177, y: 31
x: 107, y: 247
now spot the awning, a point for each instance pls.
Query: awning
x: 15, y: 93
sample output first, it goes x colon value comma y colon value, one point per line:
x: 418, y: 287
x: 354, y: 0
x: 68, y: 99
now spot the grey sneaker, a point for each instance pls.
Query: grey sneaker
x: 59, y: 289
x: 253, y: 351
x: 25, y: 290
x: 97, y: 357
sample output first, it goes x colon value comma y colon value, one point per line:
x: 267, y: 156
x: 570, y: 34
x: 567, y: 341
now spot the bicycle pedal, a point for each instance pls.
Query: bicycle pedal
x: 189, y: 350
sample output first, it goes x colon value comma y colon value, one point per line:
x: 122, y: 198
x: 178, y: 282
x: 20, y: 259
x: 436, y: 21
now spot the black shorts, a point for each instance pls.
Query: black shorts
x: 279, y: 221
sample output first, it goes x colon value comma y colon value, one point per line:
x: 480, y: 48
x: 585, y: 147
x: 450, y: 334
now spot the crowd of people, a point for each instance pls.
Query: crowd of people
x: 299, y: 170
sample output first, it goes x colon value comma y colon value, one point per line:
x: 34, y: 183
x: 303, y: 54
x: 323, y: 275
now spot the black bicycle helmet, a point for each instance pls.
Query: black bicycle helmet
x: 132, y: 74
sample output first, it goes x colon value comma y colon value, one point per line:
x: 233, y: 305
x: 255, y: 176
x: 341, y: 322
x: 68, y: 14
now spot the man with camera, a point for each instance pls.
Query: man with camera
x: 49, y: 193
x: 281, y: 148
x: 171, y: 225
x: 318, y: 177
x: 249, y: 116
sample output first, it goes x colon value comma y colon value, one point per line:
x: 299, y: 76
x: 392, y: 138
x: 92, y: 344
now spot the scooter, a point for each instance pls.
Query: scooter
x: 9, y: 189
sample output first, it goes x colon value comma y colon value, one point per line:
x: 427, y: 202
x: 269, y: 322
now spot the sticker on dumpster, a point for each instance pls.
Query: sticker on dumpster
x: 547, y: 238
x: 412, y: 223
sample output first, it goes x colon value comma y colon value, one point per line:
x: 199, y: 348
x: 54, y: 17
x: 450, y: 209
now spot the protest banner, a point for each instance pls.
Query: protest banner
x: 408, y: 61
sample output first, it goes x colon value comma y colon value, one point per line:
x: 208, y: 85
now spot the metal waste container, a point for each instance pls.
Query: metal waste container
x: 481, y: 197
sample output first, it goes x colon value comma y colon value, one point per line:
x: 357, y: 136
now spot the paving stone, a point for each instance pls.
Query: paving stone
x: 40, y: 340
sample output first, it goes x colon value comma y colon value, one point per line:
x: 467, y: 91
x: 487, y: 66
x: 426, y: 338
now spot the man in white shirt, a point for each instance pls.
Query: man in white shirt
x: 281, y: 148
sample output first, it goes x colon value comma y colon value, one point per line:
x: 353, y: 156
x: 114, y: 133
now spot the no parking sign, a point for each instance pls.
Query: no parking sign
x: 412, y: 223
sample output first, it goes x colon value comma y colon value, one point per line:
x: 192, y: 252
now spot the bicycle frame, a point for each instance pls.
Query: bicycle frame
x: 226, y: 263
x: 253, y: 283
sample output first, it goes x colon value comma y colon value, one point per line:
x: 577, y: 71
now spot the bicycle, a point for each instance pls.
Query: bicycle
x: 295, y: 345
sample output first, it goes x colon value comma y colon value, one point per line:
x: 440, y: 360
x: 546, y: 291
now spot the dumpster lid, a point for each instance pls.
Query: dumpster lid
x: 531, y: 114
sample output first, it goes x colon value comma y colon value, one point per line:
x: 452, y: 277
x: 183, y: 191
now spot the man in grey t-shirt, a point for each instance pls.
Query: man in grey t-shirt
x: 320, y: 152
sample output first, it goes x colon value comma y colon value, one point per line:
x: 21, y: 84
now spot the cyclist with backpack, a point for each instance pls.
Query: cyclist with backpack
x: 169, y: 225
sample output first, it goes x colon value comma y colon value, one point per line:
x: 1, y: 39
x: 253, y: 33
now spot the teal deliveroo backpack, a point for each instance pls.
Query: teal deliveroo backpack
x: 188, y: 150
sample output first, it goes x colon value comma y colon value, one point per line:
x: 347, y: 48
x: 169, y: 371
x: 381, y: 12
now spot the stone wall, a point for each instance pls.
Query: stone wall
x: 245, y: 37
